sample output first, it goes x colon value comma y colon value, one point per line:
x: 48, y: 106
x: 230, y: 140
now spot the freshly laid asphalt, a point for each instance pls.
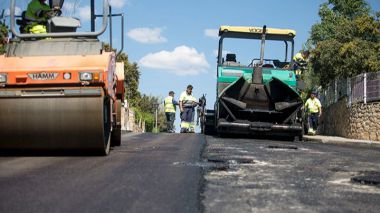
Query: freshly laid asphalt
x: 148, y: 173
x: 255, y: 175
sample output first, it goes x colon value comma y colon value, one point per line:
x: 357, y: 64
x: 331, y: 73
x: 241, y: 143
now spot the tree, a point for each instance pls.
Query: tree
x: 346, y: 42
x: 3, y: 37
x: 147, y: 104
x: 143, y: 105
x: 132, y: 77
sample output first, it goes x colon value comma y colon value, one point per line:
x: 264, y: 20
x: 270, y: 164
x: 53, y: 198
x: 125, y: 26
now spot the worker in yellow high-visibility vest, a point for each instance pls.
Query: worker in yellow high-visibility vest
x: 170, y: 109
x: 300, y: 62
x: 314, y: 109
x: 37, y: 14
x: 187, y: 104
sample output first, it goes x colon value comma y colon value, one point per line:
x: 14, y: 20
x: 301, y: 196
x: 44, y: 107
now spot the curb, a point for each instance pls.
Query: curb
x: 339, y: 140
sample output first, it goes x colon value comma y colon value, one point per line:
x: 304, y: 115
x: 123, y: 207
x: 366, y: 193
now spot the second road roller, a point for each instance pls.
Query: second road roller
x: 59, y: 90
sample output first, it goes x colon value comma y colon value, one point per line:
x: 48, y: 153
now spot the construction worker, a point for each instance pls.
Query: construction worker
x: 300, y: 62
x: 187, y: 104
x: 314, y: 110
x: 170, y: 109
x: 37, y: 14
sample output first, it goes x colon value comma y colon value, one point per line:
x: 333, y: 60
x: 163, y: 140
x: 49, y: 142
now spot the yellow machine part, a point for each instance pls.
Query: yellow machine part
x: 258, y: 30
x: 55, y: 120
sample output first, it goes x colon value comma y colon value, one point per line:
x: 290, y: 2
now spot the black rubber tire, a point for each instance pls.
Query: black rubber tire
x: 116, y: 136
x: 107, y: 148
x: 223, y: 135
x: 300, y: 137
x: 297, y: 138
x: 209, y: 130
x: 107, y: 127
x: 116, y: 132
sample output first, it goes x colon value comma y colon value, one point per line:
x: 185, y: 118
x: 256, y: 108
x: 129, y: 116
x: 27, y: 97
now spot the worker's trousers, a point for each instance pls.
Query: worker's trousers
x: 187, y: 119
x: 313, y: 121
x: 170, y: 117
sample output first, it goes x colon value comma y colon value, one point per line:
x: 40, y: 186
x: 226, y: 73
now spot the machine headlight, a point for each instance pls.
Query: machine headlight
x: 86, y: 76
x: 3, y: 78
x: 67, y: 76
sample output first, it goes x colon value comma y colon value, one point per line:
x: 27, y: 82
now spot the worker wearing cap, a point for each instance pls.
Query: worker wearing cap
x: 187, y: 104
x: 300, y: 62
x: 170, y: 109
x: 37, y: 13
x: 314, y: 109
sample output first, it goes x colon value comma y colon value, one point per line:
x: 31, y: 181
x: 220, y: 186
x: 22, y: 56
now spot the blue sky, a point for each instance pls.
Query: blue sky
x: 174, y: 42
x: 182, y: 24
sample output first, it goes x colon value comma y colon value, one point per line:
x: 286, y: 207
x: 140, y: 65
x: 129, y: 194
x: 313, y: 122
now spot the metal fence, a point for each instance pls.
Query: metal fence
x: 361, y: 88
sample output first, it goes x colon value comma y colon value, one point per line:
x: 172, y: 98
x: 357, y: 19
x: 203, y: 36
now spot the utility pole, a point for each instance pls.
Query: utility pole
x: 156, y: 117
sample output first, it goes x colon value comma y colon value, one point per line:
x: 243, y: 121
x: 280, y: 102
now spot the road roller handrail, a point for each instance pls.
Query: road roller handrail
x: 63, y: 34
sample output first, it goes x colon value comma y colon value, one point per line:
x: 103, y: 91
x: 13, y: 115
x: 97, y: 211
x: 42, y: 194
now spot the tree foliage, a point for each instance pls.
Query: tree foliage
x: 143, y: 105
x: 347, y: 40
x: 132, y: 77
x: 3, y: 37
x: 149, y: 104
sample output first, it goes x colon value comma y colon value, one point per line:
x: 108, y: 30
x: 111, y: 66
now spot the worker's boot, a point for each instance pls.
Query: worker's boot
x: 311, y: 131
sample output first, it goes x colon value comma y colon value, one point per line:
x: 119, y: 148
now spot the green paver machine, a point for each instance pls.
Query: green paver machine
x: 260, y: 98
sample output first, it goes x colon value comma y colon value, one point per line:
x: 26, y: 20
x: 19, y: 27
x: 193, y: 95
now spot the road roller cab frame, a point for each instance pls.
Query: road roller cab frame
x: 60, y: 90
x: 260, y: 98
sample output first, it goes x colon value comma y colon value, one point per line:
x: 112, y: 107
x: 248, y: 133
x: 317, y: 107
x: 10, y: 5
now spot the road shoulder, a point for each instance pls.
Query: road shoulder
x: 339, y: 140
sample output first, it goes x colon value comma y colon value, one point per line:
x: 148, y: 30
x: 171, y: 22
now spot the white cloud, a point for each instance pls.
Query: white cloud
x: 183, y: 60
x: 73, y: 9
x: 68, y: 9
x: 212, y: 33
x: 68, y: 6
x: 17, y: 11
x: 117, y: 3
x: 147, y: 35
x: 84, y: 13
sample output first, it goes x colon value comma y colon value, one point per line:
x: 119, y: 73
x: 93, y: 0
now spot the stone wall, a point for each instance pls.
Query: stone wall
x: 358, y: 121
x: 130, y: 123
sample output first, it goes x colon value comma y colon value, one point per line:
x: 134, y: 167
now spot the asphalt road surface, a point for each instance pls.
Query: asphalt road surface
x: 252, y: 175
x: 148, y: 173
x: 170, y: 173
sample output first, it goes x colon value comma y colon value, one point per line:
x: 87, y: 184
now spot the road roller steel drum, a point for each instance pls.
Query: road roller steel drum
x: 54, y: 119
